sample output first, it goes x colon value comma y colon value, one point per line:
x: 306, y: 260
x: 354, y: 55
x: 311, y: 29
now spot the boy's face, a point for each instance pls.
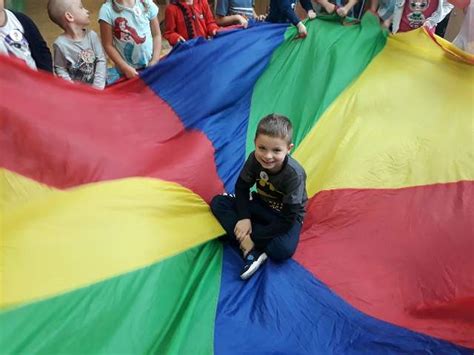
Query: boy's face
x: 79, y: 14
x: 270, y: 152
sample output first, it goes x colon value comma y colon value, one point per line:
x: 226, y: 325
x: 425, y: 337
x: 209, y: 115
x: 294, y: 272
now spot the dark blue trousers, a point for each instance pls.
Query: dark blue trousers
x: 278, y: 248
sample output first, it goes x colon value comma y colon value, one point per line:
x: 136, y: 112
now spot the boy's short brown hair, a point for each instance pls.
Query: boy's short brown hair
x: 275, y: 125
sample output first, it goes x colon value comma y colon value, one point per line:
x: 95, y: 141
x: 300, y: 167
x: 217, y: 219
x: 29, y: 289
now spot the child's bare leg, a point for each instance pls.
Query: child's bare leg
x: 246, y: 245
x: 329, y: 7
x: 343, y: 11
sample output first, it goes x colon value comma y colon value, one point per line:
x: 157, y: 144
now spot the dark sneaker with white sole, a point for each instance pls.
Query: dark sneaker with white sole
x: 253, y: 260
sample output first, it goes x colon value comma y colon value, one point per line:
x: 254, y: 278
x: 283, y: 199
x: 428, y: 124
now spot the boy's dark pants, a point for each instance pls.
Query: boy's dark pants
x: 278, y: 248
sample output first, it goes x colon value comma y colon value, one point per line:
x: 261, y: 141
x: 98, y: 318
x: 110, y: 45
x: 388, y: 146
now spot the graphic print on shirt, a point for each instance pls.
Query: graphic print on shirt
x: 16, y: 44
x: 268, y: 192
x: 125, y: 33
x: 83, y: 70
x: 416, y: 18
x: 130, y: 38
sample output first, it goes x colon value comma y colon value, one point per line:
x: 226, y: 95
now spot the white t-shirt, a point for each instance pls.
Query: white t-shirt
x: 131, y: 30
x: 465, y: 38
x: 13, y: 41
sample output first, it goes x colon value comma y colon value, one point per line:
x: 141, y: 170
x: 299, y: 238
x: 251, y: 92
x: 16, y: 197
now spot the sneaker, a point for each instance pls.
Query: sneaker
x: 253, y: 260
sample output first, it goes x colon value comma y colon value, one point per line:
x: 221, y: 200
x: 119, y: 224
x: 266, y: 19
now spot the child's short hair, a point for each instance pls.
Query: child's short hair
x: 57, y: 9
x: 275, y: 125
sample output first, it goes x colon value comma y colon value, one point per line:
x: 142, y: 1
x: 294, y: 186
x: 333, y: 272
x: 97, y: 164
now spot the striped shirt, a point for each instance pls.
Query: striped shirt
x: 235, y: 7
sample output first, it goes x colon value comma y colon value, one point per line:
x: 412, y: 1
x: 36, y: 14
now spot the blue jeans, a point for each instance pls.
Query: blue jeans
x: 278, y: 248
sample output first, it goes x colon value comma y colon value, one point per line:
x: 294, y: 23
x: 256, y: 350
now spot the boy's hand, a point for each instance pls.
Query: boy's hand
x: 302, y: 32
x: 386, y: 24
x: 242, y: 228
x: 129, y: 72
x: 243, y: 21
x: 430, y: 27
x: 311, y: 14
x: 246, y: 245
x: 153, y: 62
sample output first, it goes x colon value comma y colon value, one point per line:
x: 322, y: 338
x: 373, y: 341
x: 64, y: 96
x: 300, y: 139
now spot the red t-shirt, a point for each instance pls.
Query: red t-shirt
x: 415, y: 13
x: 199, y: 15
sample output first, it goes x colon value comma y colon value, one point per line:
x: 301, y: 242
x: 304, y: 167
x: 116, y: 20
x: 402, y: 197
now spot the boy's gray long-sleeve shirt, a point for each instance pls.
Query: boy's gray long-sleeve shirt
x: 80, y: 60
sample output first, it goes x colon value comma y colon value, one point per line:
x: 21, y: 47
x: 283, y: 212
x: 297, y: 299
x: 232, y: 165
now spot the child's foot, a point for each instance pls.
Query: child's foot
x: 253, y: 260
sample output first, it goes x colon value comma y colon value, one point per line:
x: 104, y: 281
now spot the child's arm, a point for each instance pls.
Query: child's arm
x: 287, y: 10
x: 101, y: 64
x: 245, y: 181
x: 308, y: 6
x: 171, y: 34
x: 209, y: 17
x: 107, y: 41
x: 242, y: 193
x: 38, y: 47
x: 231, y: 20
x: 222, y: 19
x: 438, y: 16
x: 60, y: 63
x: 285, y: 7
x: 156, y: 33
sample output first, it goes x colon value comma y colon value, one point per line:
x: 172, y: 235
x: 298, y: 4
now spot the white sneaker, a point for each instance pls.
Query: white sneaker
x: 253, y: 260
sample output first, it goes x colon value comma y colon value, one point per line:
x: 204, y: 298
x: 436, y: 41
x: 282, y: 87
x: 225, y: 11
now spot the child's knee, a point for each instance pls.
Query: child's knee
x: 218, y: 203
x: 279, y: 254
x: 215, y: 203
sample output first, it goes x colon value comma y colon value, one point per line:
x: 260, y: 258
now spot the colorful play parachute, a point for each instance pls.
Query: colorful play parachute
x: 108, y: 244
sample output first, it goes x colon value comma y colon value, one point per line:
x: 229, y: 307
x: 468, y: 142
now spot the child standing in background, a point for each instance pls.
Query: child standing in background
x: 77, y: 53
x: 130, y: 34
x: 407, y: 15
x: 187, y: 19
x: 20, y: 38
x: 282, y: 11
x: 235, y: 12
